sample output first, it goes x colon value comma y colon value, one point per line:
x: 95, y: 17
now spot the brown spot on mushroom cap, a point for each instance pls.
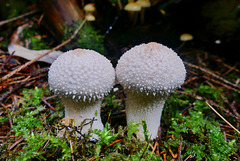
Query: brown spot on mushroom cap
x: 81, y: 74
x: 152, y: 68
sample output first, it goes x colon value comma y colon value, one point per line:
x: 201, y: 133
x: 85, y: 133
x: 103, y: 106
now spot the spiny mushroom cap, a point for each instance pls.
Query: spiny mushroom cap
x: 144, y: 3
x: 81, y: 74
x: 132, y: 6
x: 152, y: 68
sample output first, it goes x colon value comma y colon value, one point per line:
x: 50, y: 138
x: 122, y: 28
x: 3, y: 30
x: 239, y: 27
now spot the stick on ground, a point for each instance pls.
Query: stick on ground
x: 18, y: 17
x: 34, y: 60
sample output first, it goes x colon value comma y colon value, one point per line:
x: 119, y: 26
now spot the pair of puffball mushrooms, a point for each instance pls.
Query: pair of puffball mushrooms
x: 148, y: 73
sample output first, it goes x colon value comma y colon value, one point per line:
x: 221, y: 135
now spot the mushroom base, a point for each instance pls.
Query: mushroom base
x: 83, y: 113
x: 140, y: 106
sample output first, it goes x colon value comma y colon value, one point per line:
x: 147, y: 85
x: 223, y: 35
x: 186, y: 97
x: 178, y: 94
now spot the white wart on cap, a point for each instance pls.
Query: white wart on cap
x: 148, y: 73
x: 82, y: 78
x: 151, y: 68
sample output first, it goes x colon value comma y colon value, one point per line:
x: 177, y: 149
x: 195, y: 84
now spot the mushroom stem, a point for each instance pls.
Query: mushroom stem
x: 142, y: 15
x: 78, y: 110
x: 131, y: 15
x: 120, y: 4
x: 140, y: 106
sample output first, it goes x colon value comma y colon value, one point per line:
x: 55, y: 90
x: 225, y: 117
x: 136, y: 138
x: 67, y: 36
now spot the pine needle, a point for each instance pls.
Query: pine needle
x: 223, y: 118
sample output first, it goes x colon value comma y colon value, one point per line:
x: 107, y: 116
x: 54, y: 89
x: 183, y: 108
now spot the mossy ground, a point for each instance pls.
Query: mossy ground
x: 30, y: 115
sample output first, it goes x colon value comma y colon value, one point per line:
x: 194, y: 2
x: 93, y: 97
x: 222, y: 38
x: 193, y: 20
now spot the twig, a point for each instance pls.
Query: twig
x: 223, y: 118
x: 42, y: 70
x: 180, y: 150
x: 155, y: 147
x: 45, y: 144
x: 145, y: 150
x: 190, y: 80
x: 218, y: 82
x: 213, y: 103
x: 234, y: 109
x: 5, y: 62
x: 19, y: 81
x: 17, y: 142
x: 212, y: 74
x: 11, y: 91
x: 224, y: 134
x: 164, y: 157
x: 44, y: 99
x: 34, y: 60
x: 93, y: 158
x: 72, y: 150
x: 18, y: 17
x: 190, y: 157
x: 173, y: 155
x: 228, y: 66
x: 111, y: 144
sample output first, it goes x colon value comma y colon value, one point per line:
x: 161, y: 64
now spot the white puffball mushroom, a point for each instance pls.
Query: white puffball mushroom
x: 81, y: 78
x: 149, y: 73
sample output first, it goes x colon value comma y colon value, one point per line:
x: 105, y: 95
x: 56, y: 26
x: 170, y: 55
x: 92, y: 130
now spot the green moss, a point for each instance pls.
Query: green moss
x: 87, y: 38
x: 200, y: 137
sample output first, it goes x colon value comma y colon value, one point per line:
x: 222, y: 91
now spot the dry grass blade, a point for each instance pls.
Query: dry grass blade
x: 34, y: 60
x: 223, y: 118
